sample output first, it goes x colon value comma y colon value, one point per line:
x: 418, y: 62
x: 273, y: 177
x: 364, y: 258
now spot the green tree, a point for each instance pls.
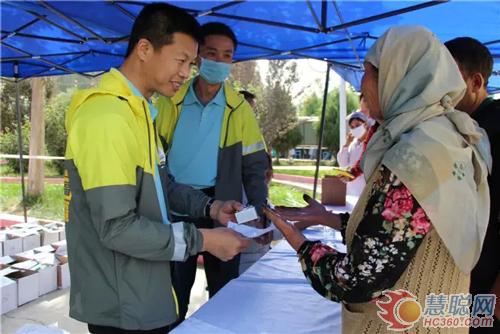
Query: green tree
x: 276, y: 113
x: 332, y: 126
x: 55, y: 133
x: 8, y: 119
x: 311, y: 106
x: 291, y: 139
x: 245, y: 75
x: 9, y: 144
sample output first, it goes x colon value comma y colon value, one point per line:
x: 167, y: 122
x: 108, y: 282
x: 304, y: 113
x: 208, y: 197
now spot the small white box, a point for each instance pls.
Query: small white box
x: 60, y: 245
x: 6, y: 260
x: 62, y: 235
x: 49, y: 237
x: 27, y: 255
x: 61, y: 261
x: 63, y: 278
x: 27, y: 285
x: 48, y: 278
x: 12, y: 246
x: 246, y: 215
x: 31, y: 241
x: 44, y: 249
x: 51, y: 231
x: 47, y: 272
x: 9, y: 294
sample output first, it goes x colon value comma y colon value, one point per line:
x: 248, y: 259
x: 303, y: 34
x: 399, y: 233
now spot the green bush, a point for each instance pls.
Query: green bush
x: 9, y: 145
x: 55, y: 134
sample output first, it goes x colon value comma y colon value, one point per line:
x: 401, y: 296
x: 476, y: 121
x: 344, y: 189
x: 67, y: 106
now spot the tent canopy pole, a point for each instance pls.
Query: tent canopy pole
x: 20, y: 142
x: 321, y: 129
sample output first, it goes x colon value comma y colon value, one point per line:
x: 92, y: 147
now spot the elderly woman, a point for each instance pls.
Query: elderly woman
x: 420, y: 222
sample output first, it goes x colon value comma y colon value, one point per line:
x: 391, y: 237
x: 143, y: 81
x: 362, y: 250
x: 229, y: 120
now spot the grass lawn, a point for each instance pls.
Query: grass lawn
x: 49, y: 171
x: 280, y: 194
x: 302, y: 172
x: 49, y: 206
x: 302, y: 162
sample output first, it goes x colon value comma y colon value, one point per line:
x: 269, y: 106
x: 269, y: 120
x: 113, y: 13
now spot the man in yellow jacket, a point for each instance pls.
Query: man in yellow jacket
x: 120, y: 236
x: 213, y: 143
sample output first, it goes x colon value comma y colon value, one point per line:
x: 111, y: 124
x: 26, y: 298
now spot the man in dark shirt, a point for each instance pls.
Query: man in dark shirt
x: 475, y: 63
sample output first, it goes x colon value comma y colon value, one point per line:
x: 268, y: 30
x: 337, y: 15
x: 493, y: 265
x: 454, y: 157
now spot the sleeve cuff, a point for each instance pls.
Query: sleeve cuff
x: 305, y: 247
x: 344, y: 218
x: 180, y: 244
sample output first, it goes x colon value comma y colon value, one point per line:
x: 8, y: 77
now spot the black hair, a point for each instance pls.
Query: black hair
x: 247, y: 95
x: 217, y: 28
x: 358, y: 118
x: 471, y: 56
x: 157, y: 22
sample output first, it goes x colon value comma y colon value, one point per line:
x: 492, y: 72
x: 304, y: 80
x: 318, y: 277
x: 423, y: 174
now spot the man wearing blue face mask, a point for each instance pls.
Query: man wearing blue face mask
x: 213, y: 143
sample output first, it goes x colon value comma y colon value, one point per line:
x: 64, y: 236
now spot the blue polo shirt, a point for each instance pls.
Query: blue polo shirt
x: 195, y: 145
x: 159, y: 189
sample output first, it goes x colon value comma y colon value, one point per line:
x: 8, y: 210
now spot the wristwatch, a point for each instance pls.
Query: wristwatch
x: 208, y: 206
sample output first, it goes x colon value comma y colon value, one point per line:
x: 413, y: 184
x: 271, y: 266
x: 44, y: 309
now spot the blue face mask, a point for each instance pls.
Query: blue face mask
x: 214, y: 72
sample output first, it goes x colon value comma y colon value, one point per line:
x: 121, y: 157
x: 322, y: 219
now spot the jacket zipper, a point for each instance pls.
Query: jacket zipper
x: 149, y: 138
x: 228, y: 119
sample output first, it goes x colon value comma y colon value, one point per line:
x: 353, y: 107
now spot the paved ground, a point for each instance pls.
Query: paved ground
x: 52, y: 310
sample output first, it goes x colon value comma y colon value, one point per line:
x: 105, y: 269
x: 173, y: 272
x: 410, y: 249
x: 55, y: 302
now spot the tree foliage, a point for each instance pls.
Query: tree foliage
x: 332, y: 126
x: 290, y: 140
x: 311, y: 106
x: 276, y: 113
x: 55, y: 133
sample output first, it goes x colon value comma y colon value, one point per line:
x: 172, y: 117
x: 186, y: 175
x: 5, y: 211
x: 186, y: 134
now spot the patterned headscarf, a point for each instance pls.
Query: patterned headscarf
x: 439, y: 153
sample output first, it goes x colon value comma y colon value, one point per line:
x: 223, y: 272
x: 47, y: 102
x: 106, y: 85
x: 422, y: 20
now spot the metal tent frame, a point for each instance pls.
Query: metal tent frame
x: 78, y: 32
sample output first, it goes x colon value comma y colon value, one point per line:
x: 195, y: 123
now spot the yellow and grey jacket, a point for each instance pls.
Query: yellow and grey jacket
x: 242, y: 159
x: 119, y: 249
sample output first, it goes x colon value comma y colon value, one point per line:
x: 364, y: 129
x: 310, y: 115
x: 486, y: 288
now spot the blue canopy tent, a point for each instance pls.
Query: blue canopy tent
x: 41, y: 38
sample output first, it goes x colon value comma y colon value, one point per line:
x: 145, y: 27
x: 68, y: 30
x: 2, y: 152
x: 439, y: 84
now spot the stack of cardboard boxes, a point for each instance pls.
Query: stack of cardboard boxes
x: 33, y: 262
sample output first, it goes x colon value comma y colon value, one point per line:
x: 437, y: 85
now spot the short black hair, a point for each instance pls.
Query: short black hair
x: 247, y: 95
x: 472, y: 56
x: 157, y: 22
x: 217, y: 28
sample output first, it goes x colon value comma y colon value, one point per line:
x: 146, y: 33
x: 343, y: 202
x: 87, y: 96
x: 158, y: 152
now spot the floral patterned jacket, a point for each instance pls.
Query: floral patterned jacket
x: 385, y: 241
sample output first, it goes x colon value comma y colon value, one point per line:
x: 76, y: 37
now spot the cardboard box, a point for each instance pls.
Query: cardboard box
x: 47, y: 278
x: 30, y: 237
x: 27, y: 285
x: 31, y: 241
x: 47, y: 272
x: 62, y: 235
x: 44, y: 249
x: 12, y: 245
x: 27, y: 255
x: 333, y: 191
x: 6, y: 260
x: 49, y: 237
x: 51, y: 231
x: 63, y: 278
x: 8, y: 290
x: 59, y: 245
x: 61, y: 263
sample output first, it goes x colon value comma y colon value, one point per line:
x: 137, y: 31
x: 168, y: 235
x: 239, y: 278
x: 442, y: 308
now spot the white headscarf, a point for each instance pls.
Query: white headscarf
x: 439, y: 153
